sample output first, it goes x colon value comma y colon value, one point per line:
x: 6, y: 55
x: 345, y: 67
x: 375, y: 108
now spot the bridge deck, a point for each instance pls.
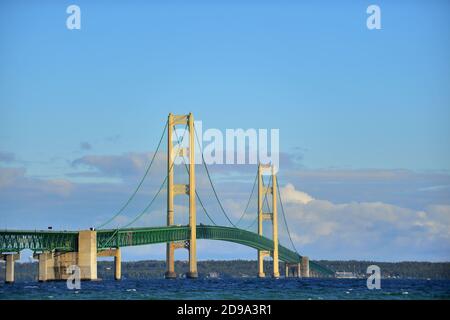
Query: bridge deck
x: 16, y: 240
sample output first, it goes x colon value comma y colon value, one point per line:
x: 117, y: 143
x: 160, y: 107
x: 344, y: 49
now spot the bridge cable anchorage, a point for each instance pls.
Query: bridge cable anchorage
x: 196, y: 192
x: 157, y: 193
x: 249, y: 200
x: 284, y: 216
x: 210, y: 180
x: 140, y: 182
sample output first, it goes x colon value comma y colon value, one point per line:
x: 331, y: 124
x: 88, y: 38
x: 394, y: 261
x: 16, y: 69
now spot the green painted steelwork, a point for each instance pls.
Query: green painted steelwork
x: 15, y: 240
x: 141, y: 236
x: 38, y: 240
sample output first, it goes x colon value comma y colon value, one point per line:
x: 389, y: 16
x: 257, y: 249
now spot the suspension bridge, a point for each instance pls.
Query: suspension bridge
x: 58, y: 251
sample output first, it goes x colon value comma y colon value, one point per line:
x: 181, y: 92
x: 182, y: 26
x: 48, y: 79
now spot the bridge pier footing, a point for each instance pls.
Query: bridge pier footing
x: 261, y: 255
x: 191, y: 275
x: 54, y: 265
x: 46, y: 266
x: 10, y: 259
x: 305, y: 267
x: 87, y: 254
x: 295, y: 268
x: 170, y: 259
x: 116, y: 253
x: 170, y: 275
x: 117, y: 265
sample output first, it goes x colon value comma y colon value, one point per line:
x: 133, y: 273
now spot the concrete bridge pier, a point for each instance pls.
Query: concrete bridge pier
x: 170, y: 261
x: 118, y: 265
x: 305, y: 267
x: 117, y: 260
x: 9, y: 258
x: 87, y: 254
x: 261, y: 255
x: 54, y: 265
x: 46, y: 266
x: 295, y: 267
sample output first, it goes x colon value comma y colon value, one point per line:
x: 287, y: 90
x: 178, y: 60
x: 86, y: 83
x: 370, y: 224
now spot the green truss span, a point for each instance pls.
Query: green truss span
x: 15, y: 240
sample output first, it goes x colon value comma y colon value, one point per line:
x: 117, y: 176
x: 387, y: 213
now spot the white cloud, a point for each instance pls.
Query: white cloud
x: 124, y: 165
x: 290, y: 195
x: 15, y: 178
x: 371, y: 230
x: 375, y: 227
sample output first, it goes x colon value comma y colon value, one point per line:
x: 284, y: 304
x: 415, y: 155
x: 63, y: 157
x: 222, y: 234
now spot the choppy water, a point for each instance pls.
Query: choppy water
x: 253, y: 288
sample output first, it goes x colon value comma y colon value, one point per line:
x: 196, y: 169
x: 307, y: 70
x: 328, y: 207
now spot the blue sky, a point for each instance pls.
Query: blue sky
x: 365, y: 113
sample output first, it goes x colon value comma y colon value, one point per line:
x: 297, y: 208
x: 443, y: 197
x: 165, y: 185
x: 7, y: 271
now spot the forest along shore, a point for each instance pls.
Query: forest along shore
x: 150, y: 269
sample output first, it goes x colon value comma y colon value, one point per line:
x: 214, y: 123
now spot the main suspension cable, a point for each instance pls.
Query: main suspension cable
x: 196, y: 192
x: 284, y: 217
x: 147, y: 207
x: 210, y: 181
x: 266, y: 201
x: 157, y: 193
x: 140, y: 182
x: 249, y: 200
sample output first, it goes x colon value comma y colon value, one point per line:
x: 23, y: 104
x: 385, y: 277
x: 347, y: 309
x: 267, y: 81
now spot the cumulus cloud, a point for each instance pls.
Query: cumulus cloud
x: 290, y: 195
x: 125, y: 165
x: 330, y: 214
x: 371, y: 230
x: 30, y: 202
x: 14, y: 179
x: 403, y: 188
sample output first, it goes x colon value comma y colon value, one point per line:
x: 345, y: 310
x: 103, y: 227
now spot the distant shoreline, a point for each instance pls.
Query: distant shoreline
x: 151, y: 269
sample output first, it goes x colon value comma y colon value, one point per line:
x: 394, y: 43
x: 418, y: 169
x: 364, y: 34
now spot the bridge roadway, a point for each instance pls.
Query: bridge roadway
x: 49, y: 240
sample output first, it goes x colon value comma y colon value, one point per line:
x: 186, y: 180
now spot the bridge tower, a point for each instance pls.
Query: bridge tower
x: 177, y: 189
x: 272, y: 216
